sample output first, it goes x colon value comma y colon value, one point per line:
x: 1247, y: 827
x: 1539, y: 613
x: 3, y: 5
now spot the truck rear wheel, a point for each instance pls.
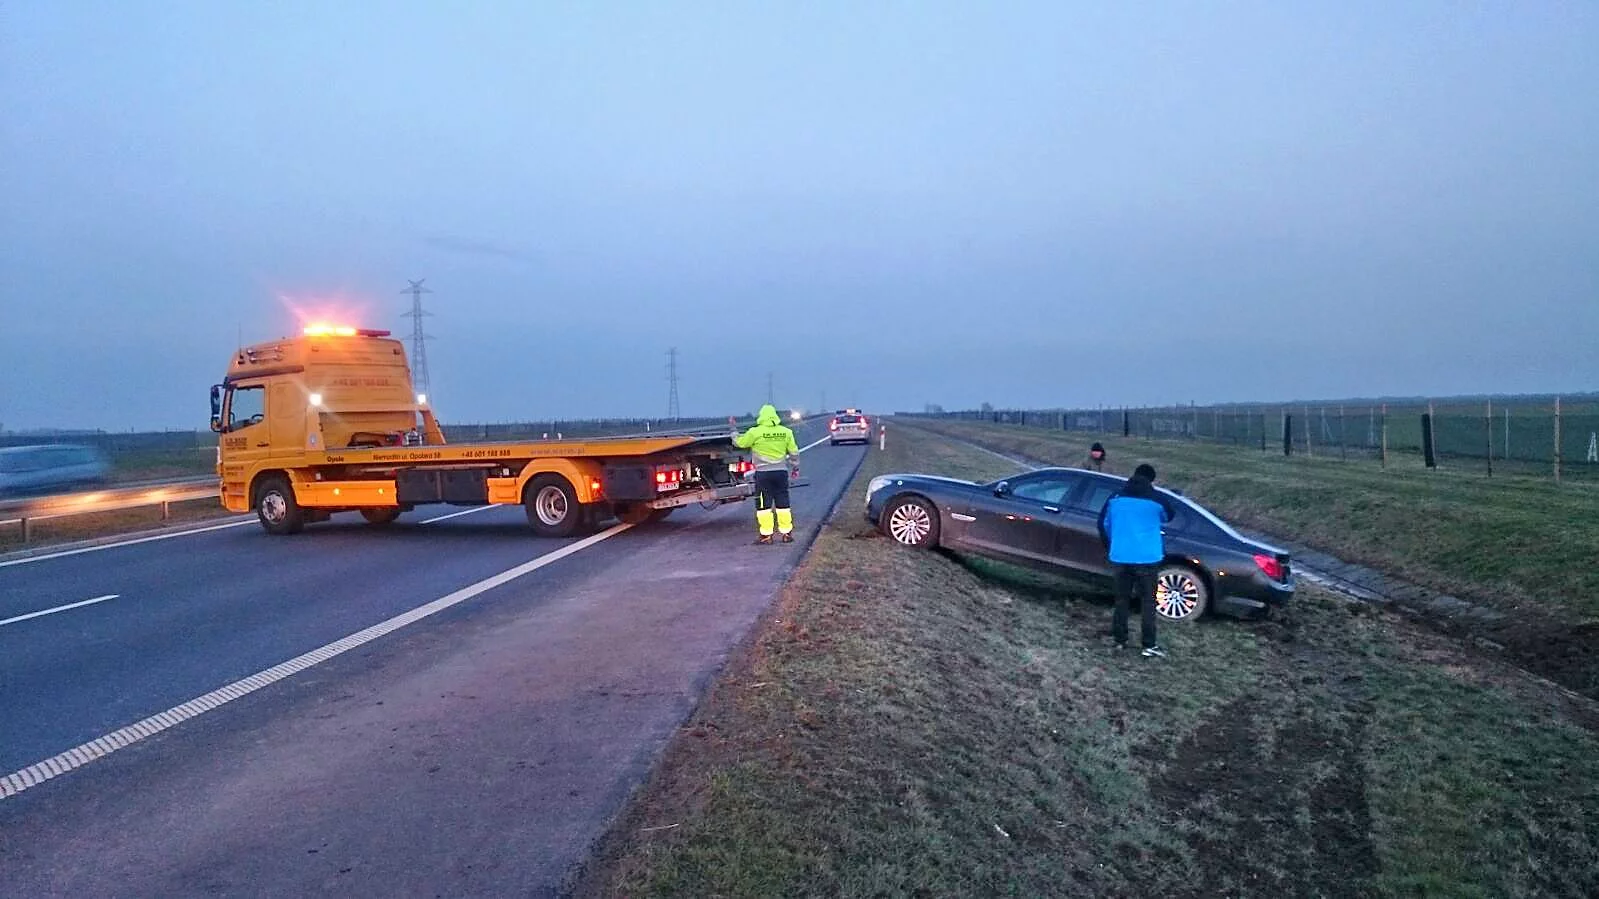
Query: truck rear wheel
x: 276, y: 508
x: 552, y: 506
x: 380, y: 516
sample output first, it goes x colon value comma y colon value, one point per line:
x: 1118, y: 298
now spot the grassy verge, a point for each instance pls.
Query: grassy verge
x: 1521, y: 546
x: 906, y: 724
x: 52, y: 531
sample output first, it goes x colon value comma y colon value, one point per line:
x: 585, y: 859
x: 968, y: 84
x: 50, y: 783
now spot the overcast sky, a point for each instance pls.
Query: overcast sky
x: 1029, y: 204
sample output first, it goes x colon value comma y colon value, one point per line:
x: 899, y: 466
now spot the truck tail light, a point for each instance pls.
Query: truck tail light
x: 668, y: 478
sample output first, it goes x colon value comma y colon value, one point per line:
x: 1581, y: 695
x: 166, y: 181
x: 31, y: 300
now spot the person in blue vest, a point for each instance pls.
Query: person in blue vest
x: 1130, y: 528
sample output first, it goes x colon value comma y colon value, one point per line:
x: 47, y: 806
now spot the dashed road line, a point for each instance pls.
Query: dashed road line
x: 459, y: 514
x: 43, y: 612
x: 78, y: 756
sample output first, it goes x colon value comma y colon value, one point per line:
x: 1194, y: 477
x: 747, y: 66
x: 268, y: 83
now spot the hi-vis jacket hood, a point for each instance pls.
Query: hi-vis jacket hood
x: 772, y: 444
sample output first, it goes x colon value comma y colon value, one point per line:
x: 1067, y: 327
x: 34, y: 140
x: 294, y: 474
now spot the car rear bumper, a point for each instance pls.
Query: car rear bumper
x: 1252, y: 596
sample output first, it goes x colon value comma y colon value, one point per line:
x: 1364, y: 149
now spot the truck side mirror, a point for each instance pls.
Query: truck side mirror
x: 216, y: 407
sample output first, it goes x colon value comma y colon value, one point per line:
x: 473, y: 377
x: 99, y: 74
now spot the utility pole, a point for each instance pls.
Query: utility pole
x: 419, y: 348
x: 673, y: 411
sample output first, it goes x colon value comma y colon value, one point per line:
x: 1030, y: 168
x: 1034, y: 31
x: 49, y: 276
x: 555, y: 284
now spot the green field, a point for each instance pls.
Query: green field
x: 908, y: 724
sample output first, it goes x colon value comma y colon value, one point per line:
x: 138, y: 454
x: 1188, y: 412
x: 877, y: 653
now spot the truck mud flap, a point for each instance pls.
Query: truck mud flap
x: 457, y: 486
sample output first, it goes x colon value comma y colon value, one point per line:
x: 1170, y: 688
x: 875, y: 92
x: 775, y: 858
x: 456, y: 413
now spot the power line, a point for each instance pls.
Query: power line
x: 419, y: 338
x: 673, y: 411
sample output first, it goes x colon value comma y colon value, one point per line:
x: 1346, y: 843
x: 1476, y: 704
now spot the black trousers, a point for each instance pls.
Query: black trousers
x: 771, y: 489
x: 1135, y: 582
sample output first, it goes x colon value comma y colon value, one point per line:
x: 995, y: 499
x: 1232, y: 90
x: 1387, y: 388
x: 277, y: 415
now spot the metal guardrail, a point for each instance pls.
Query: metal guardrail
x: 24, y: 510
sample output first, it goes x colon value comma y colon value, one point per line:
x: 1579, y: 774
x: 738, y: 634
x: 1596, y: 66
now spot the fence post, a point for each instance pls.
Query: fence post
x: 1557, y: 440
x: 1263, y: 432
x: 1428, y: 456
x: 1385, y: 436
x: 1343, y: 450
x: 1430, y: 436
x: 1288, y: 433
x: 1309, y: 450
x: 1488, y: 426
x: 27, y: 530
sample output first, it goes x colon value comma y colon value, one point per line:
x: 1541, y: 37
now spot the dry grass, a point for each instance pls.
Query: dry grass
x: 906, y: 724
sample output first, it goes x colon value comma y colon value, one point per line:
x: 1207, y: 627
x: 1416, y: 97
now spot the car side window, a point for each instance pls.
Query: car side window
x: 1048, y: 490
x: 1095, y: 498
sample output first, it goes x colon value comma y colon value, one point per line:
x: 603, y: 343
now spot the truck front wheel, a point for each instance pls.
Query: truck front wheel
x: 276, y: 508
x: 552, y: 506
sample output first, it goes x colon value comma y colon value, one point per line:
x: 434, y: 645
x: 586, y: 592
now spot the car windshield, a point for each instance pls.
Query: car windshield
x: 848, y: 419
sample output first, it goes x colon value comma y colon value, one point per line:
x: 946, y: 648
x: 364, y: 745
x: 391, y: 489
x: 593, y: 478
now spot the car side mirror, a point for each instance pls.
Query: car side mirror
x: 216, y: 407
x: 1002, y: 488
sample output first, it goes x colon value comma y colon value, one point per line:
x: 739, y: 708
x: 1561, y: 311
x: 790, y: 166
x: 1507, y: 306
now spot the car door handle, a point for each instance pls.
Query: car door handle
x: 263, y: 445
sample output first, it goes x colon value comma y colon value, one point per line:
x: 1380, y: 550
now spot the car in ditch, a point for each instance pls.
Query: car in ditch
x: 1048, y: 519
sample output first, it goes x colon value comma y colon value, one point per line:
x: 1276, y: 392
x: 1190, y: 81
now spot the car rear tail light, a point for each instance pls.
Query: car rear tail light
x: 832, y: 425
x: 1270, y: 566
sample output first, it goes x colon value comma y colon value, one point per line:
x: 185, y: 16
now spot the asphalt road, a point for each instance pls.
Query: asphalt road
x: 478, y: 751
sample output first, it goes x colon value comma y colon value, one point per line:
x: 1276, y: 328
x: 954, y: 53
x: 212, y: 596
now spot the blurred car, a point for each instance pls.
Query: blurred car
x: 849, y: 426
x: 1049, y: 519
x: 50, y: 468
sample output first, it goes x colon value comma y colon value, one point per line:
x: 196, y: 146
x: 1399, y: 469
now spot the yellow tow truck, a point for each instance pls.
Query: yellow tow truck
x: 328, y: 421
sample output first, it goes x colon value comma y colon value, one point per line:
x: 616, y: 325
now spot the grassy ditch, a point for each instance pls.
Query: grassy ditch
x: 908, y: 724
x: 1521, y: 546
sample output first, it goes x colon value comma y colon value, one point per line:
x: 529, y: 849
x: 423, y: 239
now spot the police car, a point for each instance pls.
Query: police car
x: 849, y: 426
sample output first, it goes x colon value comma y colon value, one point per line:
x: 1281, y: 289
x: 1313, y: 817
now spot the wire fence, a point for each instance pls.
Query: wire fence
x: 1549, y: 435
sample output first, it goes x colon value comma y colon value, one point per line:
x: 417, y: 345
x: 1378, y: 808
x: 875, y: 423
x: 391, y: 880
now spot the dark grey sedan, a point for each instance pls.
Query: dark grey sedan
x: 1048, y: 519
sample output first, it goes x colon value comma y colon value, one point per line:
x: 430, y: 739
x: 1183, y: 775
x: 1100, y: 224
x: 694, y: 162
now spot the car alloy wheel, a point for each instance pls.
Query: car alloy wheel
x: 910, y: 524
x: 1179, y: 594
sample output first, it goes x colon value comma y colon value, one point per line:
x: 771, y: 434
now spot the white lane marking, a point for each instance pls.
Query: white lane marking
x: 459, y: 514
x: 95, y: 549
x: 36, y: 774
x: 42, y: 612
x: 816, y: 444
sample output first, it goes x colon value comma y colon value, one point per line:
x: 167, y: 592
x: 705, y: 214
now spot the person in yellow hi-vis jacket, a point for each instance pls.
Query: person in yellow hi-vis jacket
x: 776, y: 459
